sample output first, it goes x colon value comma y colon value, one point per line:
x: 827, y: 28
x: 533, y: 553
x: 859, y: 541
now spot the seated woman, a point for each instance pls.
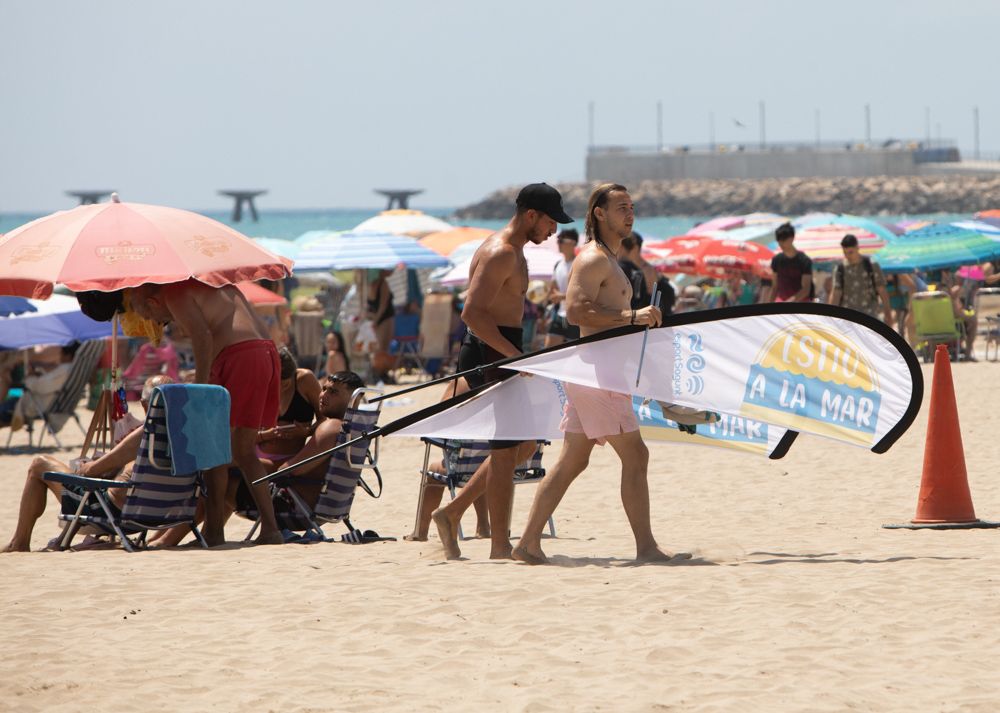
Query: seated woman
x: 435, y: 490
x: 299, y: 413
x: 336, y: 353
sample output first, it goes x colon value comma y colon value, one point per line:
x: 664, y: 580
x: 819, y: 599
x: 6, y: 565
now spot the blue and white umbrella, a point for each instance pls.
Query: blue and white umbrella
x: 57, y: 320
x: 15, y: 305
x: 284, y: 248
x: 356, y: 250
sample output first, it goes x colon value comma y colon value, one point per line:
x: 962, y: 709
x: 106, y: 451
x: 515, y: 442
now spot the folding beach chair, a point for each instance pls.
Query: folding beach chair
x: 935, y: 323
x: 156, y: 498
x: 63, y: 407
x: 462, y: 459
x: 406, y: 343
x: 343, y: 477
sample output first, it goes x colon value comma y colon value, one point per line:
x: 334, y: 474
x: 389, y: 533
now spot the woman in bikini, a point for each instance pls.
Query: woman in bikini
x: 298, y: 409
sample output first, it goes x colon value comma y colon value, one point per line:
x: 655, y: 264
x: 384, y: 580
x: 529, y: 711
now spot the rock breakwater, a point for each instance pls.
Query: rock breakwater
x: 895, y: 195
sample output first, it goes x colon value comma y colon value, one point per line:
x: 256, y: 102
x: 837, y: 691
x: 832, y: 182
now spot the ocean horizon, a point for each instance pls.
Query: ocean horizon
x: 288, y: 224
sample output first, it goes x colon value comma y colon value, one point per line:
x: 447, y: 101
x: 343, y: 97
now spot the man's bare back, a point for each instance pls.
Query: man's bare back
x: 223, y: 311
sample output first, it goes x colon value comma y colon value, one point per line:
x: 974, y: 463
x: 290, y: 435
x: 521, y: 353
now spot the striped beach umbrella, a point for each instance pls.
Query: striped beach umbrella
x: 817, y: 220
x: 939, y: 246
x: 822, y: 242
x: 357, y: 250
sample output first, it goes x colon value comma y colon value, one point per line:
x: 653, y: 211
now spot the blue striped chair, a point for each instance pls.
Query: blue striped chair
x: 156, y: 498
x: 343, y: 476
x: 462, y: 459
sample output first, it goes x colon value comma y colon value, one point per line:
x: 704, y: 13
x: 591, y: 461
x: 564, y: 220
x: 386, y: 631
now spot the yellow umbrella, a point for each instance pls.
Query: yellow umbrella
x: 445, y: 242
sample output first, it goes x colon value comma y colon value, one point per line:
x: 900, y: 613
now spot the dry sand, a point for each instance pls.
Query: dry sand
x: 801, y: 602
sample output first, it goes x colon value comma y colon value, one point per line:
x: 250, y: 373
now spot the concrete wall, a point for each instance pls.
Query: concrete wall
x: 628, y: 167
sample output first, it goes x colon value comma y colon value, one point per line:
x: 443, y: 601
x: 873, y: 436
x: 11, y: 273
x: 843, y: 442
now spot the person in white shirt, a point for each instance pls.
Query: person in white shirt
x: 559, y: 327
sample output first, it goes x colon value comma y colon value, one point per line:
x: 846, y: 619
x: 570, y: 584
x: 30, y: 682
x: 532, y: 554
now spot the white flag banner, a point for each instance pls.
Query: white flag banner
x: 531, y: 409
x: 804, y: 367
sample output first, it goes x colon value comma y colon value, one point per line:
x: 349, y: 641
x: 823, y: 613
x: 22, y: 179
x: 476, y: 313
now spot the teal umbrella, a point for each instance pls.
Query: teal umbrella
x: 938, y: 247
x: 284, y: 248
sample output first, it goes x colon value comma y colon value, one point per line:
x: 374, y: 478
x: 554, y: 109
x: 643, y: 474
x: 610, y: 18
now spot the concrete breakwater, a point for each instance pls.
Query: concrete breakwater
x: 895, y: 195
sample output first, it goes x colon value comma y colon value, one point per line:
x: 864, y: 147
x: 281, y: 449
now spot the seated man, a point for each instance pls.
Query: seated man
x: 333, y: 402
x: 116, y: 463
x: 435, y: 490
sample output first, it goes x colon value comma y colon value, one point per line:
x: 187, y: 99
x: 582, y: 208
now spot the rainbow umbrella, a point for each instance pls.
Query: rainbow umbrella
x: 822, y: 242
x: 937, y: 247
x: 817, y: 220
x: 355, y: 250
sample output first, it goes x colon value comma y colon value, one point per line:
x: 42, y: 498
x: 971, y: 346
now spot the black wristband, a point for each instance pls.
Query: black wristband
x: 632, y: 321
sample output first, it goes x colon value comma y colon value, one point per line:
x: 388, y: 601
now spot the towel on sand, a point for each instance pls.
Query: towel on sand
x: 197, y: 425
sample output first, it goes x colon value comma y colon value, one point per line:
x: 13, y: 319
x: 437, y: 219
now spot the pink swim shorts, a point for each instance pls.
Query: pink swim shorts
x: 597, y: 413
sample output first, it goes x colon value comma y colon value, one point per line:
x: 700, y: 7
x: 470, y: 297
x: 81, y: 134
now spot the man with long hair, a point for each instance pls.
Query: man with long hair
x: 598, y: 298
x: 494, y: 306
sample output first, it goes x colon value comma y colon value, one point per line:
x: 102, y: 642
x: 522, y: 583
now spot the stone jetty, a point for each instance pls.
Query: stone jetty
x: 893, y: 195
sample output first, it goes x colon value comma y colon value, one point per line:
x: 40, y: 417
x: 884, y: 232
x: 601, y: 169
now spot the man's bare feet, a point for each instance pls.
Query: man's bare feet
x: 15, y: 547
x: 521, y: 554
x: 655, y: 554
x: 501, y: 552
x: 414, y: 537
x: 448, y: 532
x: 269, y: 538
x: 214, y: 538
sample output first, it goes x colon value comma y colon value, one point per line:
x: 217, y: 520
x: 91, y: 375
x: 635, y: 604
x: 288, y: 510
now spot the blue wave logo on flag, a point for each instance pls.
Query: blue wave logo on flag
x: 820, y: 379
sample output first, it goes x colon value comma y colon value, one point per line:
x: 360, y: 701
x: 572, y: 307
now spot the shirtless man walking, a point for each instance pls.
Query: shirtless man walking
x: 494, y: 306
x: 232, y: 349
x: 598, y: 298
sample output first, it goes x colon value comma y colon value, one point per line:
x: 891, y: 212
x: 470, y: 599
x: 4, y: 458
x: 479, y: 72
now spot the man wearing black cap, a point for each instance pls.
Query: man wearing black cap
x: 494, y: 305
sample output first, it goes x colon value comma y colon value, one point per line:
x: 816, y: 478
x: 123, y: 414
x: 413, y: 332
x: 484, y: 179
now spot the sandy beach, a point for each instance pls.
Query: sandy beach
x: 796, y: 600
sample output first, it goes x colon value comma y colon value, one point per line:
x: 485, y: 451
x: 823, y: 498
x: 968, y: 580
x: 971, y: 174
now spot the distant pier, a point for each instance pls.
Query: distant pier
x: 89, y: 197
x: 398, y: 198
x: 243, y: 198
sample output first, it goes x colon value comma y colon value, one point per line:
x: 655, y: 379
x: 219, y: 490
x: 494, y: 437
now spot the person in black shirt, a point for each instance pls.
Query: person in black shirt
x: 792, y: 269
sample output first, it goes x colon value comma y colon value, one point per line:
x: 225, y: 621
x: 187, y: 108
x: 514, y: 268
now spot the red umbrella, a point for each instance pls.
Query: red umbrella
x: 700, y: 255
x: 259, y: 295
x: 109, y: 246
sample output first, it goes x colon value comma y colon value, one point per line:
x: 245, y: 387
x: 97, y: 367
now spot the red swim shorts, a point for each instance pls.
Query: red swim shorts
x: 251, y: 373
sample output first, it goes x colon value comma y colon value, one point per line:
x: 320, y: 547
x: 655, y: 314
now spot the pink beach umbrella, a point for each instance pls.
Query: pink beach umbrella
x: 113, y: 245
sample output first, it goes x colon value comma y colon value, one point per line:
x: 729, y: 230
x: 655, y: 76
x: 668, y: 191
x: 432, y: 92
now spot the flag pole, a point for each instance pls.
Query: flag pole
x: 654, y: 301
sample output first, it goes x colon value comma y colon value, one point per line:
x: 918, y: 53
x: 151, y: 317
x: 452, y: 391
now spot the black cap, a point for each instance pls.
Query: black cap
x: 543, y: 197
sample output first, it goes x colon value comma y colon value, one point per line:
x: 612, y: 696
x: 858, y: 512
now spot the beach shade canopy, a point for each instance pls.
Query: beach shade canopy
x: 884, y: 231
x: 109, y: 246
x: 911, y: 224
x: 403, y: 222
x: 282, y: 248
x: 701, y: 255
x: 258, y: 295
x: 733, y: 222
x: 15, y: 305
x: 987, y: 227
x: 446, y: 241
x: 822, y: 242
x: 57, y: 320
x: 357, y: 250
x: 937, y: 247
x: 541, y: 261
x: 986, y: 214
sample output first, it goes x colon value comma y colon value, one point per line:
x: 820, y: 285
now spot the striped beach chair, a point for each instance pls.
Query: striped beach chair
x: 343, y: 476
x: 156, y: 498
x: 63, y: 406
x: 462, y: 459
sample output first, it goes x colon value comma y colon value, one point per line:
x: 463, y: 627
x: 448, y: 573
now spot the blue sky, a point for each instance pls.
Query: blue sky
x: 320, y: 102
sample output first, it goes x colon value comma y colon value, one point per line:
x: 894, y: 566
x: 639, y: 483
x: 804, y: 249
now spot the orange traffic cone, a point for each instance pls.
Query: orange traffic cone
x: 944, y: 501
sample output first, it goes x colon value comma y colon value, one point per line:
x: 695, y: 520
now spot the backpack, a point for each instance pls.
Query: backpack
x: 839, y: 277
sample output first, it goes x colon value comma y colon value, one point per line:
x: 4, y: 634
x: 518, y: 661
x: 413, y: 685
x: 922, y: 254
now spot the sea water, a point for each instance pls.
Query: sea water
x: 289, y: 224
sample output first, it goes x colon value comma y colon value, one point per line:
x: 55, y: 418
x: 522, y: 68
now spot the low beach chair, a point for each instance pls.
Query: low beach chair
x: 156, y: 498
x: 63, y: 407
x: 343, y: 478
x: 461, y: 460
x: 935, y: 323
